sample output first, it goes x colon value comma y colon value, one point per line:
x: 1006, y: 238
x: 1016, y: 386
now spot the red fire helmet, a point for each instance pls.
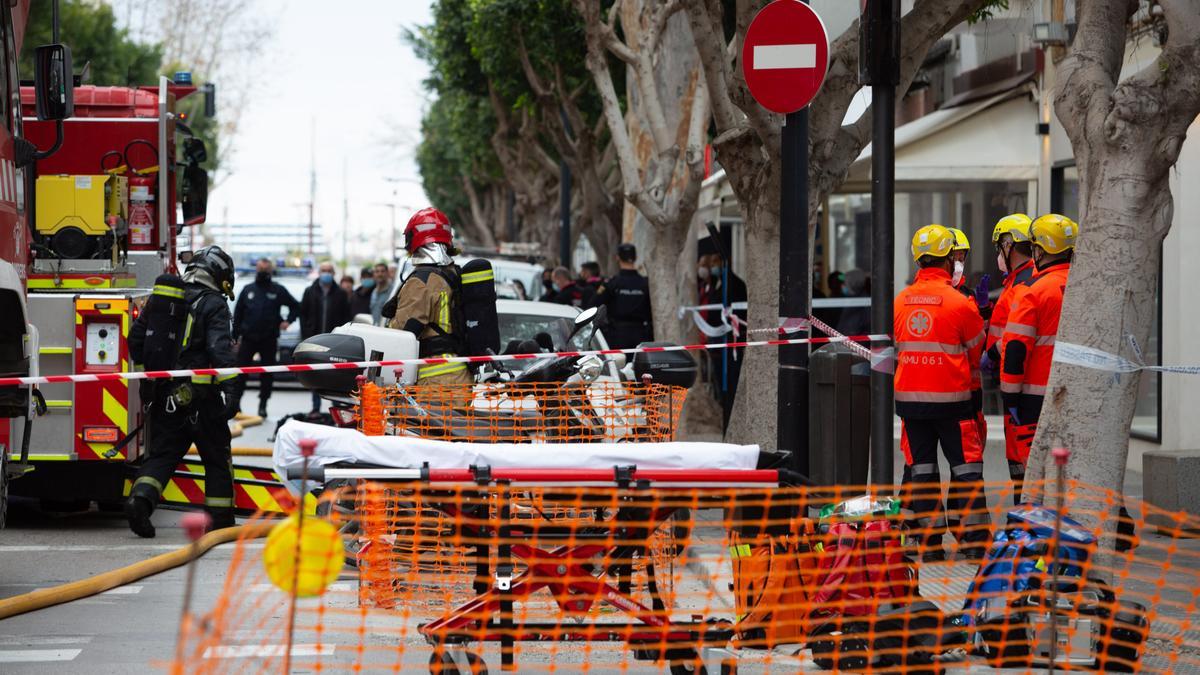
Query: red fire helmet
x: 426, y: 226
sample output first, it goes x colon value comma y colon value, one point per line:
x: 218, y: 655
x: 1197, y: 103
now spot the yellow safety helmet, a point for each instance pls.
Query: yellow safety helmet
x: 1015, y: 225
x: 934, y: 240
x: 961, y: 243
x: 1054, y: 233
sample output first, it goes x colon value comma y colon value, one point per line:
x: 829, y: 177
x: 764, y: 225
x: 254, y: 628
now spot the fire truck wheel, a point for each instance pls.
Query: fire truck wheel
x: 64, y: 505
x: 442, y: 663
x: 110, y: 506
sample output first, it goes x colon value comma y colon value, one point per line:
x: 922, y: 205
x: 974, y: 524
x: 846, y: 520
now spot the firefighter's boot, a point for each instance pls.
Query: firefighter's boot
x: 138, y: 510
x: 221, y: 519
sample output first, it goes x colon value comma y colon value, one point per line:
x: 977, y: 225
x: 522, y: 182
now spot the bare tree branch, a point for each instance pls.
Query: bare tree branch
x: 659, y: 23
x: 531, y: 76
x: 597, y: 65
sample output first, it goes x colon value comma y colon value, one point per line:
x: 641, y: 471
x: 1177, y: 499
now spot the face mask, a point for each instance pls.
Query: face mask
x: 326, y: 277
x: 262, y: 278
x: 958, y: 273
x: 368, y: 283
x: 702, y: 273
x: 715, y: 270
x: 1001, y: 262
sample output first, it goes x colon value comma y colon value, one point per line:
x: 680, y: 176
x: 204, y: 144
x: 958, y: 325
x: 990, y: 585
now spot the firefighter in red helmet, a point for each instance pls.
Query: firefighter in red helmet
x: 428, y: 301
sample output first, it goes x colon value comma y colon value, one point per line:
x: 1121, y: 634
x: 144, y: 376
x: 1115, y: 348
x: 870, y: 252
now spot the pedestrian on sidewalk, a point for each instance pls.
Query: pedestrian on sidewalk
x: 323, y: 307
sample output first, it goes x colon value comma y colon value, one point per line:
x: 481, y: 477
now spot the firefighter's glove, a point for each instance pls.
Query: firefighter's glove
x: 981, y: 292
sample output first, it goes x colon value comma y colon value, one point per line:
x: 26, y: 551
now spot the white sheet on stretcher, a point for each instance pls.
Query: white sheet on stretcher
x: 350, y: 446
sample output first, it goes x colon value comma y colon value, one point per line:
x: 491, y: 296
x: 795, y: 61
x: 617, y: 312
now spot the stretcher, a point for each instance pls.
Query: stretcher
x: 582, y: 565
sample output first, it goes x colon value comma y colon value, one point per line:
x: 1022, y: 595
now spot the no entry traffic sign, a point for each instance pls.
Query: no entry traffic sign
x: 785, y: 56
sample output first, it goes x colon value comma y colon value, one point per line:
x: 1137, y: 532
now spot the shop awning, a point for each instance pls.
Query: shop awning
x: 990, y: 140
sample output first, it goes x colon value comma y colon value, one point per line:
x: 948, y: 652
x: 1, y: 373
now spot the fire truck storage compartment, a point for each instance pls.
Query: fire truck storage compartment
x: 54, y: 315
x: 76, y: 214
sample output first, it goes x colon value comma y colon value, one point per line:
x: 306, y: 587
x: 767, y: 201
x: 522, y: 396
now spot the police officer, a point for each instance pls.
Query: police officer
x: 939, y: 338
x: 627, y: 296
x: 195, y: 410
x: 427, y: 302
x: 257, y: 321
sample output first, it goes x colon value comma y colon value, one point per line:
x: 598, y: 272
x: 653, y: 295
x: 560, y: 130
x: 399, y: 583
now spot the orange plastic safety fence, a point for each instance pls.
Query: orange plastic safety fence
x: 636, y: 579
x: 370, y: 409
x: 605, y: 410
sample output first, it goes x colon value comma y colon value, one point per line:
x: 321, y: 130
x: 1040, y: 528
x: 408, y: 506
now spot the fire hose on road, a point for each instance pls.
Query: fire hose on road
x: 75, y: 590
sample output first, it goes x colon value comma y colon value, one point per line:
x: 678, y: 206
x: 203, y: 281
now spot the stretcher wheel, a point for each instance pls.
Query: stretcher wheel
x: 340, y: 511
x: 442, y: 662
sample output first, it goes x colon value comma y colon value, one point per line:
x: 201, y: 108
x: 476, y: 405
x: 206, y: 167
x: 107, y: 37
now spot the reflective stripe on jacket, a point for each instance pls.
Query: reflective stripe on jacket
x: 939, y: 338
x: 1013, y: 284
x: 1033, y: 323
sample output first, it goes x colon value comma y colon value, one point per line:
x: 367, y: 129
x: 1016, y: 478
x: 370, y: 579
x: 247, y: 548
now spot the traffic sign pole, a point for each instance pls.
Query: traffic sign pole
x: 880, y: 67
x: 795, y: 291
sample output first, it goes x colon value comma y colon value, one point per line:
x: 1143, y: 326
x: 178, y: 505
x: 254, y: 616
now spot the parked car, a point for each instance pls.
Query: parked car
x: 515, y: 280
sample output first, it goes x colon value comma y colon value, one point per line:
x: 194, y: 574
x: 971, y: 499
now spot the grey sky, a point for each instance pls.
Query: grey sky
x: 342, y: 68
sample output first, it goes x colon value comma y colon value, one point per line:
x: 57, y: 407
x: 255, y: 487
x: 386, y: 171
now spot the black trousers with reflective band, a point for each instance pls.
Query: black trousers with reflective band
x: 170, y: 435
x: 966, y: 503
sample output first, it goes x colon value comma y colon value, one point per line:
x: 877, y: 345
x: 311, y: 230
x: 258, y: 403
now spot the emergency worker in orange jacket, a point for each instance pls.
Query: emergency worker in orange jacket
x: 939, y: 339
x: 1031, y: 328
x: 982, y: 302
x: 1014, y: 256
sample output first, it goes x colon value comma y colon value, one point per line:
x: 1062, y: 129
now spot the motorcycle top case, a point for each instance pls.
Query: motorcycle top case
x: 330, y: 348
x: 347, y: 344
x: 675, y: 368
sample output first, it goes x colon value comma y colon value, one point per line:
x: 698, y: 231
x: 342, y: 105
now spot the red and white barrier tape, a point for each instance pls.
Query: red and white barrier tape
x: 357, y: 365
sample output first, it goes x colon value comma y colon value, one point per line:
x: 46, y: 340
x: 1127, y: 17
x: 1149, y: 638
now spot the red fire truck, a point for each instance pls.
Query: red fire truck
x: 106, y: 214
x: 18, y: 336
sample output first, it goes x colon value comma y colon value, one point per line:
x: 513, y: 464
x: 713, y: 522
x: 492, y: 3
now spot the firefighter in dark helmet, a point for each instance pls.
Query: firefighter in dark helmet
x: 187, y: 326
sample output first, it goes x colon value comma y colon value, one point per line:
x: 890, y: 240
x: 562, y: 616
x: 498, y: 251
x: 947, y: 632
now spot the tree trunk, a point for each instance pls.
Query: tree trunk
x: 1126, y: 135
x: 754, y: 418
x: 664, y: 246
